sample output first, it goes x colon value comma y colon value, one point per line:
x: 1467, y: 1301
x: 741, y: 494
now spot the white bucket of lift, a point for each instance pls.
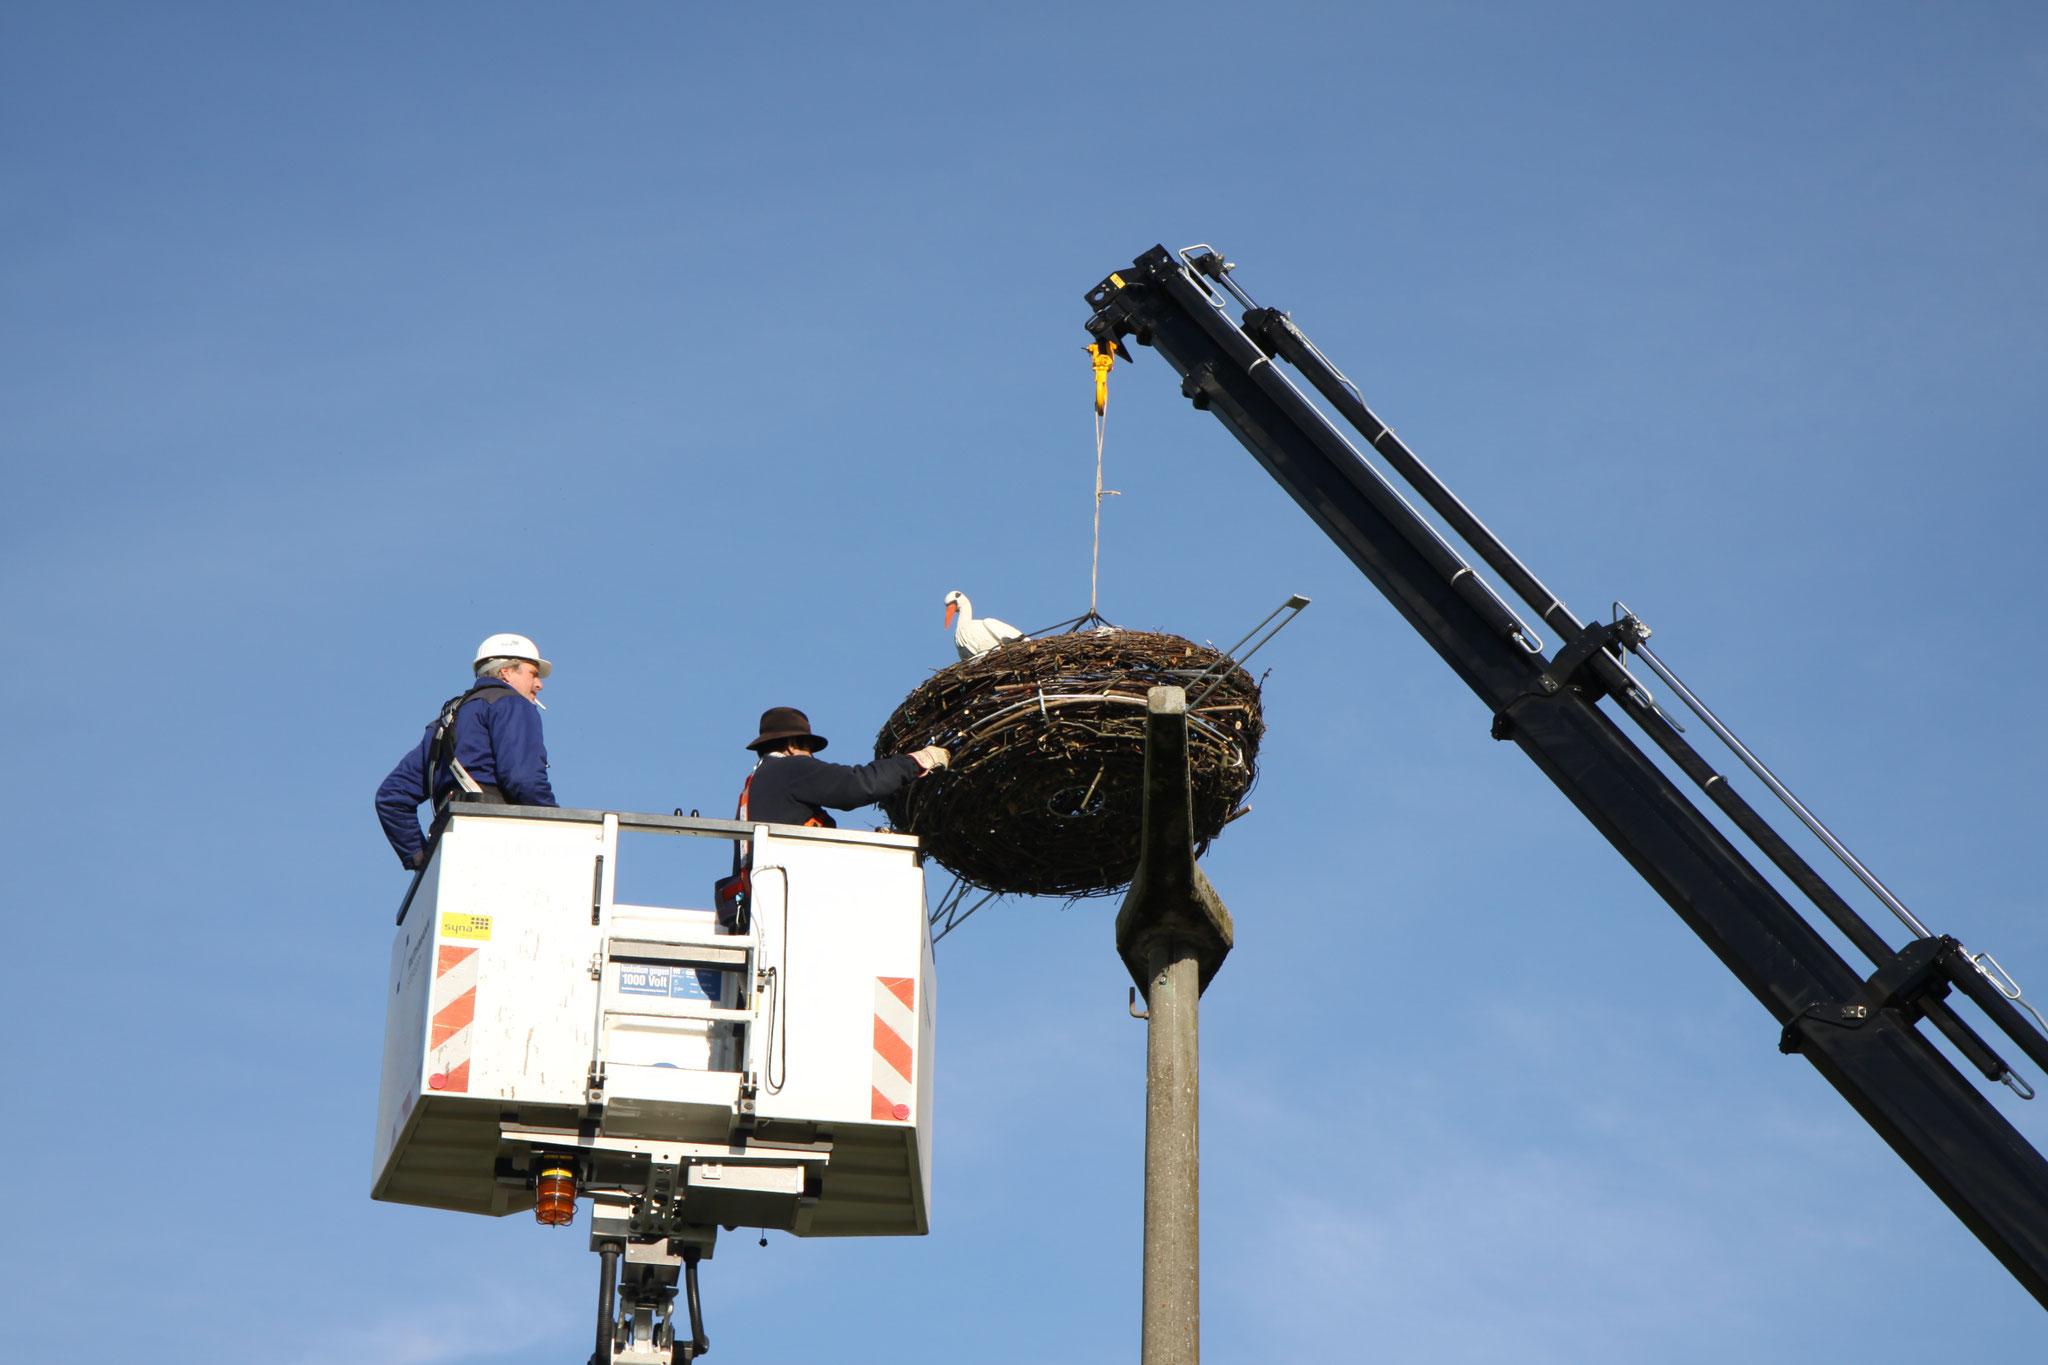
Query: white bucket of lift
x: 789, y: 1067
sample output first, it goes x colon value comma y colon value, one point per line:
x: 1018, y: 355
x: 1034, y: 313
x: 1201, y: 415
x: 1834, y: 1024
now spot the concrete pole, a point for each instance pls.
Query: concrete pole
x: 1172, y: 1321
x: 1173, y: 932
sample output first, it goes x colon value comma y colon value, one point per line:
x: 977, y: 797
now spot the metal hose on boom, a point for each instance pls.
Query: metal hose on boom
x: 607, y: 1290
x: 699, y: 1343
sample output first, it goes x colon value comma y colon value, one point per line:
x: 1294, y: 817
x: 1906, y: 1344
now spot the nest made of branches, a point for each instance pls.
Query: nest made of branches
x: 1046, y: 785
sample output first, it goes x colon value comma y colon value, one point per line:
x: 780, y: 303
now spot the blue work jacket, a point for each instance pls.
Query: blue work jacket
x: 497, y: 738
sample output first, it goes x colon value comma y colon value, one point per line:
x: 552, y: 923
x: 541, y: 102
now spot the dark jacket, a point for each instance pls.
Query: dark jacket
x: 497, y: 738
x: 790, y: 789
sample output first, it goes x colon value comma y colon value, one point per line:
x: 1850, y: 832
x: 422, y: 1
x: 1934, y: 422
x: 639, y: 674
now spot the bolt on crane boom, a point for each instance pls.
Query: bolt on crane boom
x: 1859, y: 1031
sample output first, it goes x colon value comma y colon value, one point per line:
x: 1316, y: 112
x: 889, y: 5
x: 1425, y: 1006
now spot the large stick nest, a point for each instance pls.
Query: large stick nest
x: 1048, y: 739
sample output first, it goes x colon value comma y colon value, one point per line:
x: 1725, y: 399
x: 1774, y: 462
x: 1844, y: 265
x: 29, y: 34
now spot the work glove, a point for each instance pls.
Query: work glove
x: 419, y: 860
x: 932, y: 756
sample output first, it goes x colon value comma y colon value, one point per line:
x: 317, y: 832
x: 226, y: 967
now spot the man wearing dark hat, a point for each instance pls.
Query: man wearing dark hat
x: 791, y: 787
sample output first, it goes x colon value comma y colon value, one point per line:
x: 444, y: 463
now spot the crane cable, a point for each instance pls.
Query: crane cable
x: 1102, y: 357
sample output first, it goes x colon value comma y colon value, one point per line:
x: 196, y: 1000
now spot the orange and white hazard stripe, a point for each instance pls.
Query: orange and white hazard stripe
x: 454, y: 1006
x: 895, y: 1074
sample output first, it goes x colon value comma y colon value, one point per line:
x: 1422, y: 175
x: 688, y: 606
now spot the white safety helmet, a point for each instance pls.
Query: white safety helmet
x: 512, y: 647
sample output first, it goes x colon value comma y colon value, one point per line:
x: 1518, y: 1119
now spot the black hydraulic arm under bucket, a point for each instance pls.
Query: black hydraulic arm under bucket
x: 1860, y: 1034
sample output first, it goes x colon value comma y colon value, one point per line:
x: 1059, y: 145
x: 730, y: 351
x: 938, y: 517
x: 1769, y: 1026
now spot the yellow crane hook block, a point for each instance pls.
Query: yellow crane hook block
x: 1104, y: 356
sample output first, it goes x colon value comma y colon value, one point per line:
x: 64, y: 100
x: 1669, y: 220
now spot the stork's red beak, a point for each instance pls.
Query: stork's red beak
x: 951, y: 609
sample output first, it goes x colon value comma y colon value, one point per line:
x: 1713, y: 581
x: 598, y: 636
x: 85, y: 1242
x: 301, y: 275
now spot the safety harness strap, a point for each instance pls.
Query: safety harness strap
x: 441, y: 748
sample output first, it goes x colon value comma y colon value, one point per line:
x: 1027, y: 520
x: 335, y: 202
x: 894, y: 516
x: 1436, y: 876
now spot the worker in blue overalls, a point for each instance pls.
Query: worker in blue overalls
x: 484, y: 745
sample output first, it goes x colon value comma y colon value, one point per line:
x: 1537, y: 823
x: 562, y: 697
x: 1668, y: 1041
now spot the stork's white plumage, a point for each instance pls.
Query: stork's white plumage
x: 974, y: 638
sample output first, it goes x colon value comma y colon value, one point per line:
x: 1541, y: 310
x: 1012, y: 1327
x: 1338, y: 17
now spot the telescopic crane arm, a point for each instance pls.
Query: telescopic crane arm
x: 1860, y: 1032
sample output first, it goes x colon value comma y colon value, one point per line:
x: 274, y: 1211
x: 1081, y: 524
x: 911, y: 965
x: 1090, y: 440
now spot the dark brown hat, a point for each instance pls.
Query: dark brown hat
x: 782, y: 723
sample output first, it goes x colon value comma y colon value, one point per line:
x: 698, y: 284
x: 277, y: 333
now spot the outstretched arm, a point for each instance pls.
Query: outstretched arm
x: 840, y: 786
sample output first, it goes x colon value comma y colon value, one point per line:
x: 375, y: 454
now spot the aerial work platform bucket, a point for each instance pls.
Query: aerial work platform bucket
x: 775, y: 1074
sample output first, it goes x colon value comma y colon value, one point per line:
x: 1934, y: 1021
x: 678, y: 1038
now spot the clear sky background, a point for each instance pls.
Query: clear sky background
x: 711, y: 346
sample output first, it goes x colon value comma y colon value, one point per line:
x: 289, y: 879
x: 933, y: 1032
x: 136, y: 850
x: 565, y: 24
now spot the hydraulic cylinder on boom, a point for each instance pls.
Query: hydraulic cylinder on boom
x: 1859, y: 1029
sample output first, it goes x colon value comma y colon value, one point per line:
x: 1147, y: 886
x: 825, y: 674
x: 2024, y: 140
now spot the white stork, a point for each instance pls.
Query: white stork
x: 975, y: 638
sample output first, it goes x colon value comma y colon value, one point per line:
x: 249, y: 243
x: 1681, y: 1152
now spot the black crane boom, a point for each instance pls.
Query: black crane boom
x: 1861, y: 1033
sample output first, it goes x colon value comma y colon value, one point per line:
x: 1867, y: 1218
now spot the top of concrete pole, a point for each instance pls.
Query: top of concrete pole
x: 1169, y: 900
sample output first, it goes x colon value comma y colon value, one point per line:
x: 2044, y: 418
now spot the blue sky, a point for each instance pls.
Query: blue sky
x: 712, y: 347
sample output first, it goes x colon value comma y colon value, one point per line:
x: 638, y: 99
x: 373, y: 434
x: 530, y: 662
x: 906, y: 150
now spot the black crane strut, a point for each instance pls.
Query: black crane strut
x: 1859, y: 1032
